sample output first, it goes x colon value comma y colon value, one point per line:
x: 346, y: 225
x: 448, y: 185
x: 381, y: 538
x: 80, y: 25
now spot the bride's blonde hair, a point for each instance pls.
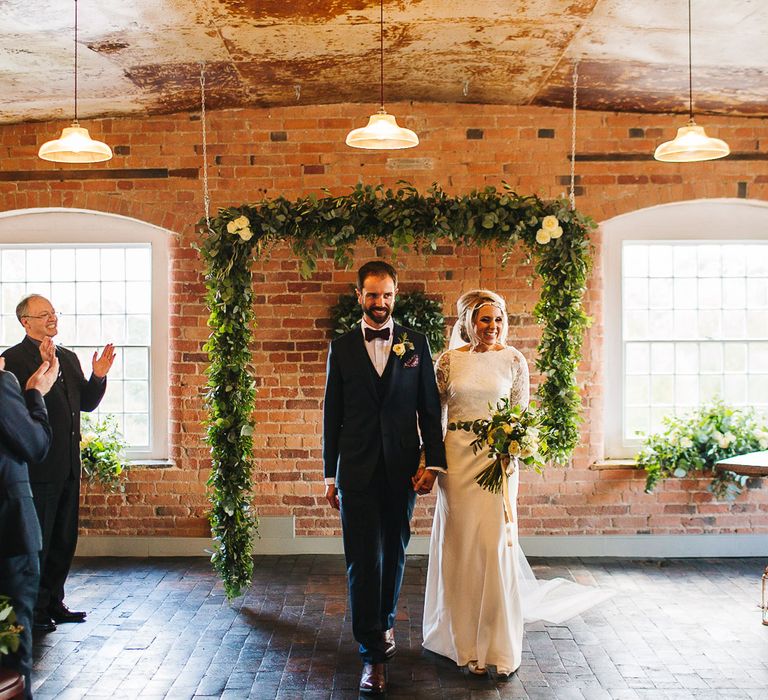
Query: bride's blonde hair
x: 467, y: 307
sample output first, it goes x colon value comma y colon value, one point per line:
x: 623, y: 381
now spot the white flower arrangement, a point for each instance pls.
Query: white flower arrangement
x: 550, y: 230
x: 240, y: 227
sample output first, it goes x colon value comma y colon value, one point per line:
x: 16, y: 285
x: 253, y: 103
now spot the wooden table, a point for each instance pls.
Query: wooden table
x: 751, y: 464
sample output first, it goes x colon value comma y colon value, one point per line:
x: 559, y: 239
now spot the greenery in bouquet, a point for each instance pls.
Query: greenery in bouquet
x: 9, y: 630
x: 102, y: 452
x: 697, y: 440
x: 510, y: 433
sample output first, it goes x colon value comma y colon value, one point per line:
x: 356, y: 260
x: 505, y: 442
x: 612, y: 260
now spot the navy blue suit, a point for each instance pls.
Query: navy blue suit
x: 371, y: 447
x: 25, y: 436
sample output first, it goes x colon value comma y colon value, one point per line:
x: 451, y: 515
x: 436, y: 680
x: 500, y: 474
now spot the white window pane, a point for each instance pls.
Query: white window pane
x: 734, y: 293
x: 757, y: 293
x: 757, y: 261
x: 635, y: 260
x: 136, y: 397
x: 709, y: 261
x: 138, y: 330
x: 686, y: 293
x: 687, y: 389
x: 138, y: 264
x: 637, y: 358
x: 88, y: 297
x: 686, y: 358
x: 711, y: 357
x: 734, y: 324
x: 85, y: 356
x: 67, y: 330
x: 87, y: 264
x: 136, y: 429
x: 64, y: 297
x: 662, y: 358
x: 113, y: 264
x: 757, y: 388
x: 734, y: 264
x: 12, y: 294
x: 637, y: 390
x: 710, y: 387
x: 757, y: 324
x: 710, y: 294
x: 660, y: 261
x: 12, y: 332
x: 635, y: 324
x: 63, y: 265
x: 685, y: 261
x: 14, y: 265
x: 663, y: 324
x: 735, y: 356
x: 758, y: 357
x: 138, y: 297
x: 113, y: 297
x: 38, y: 265
x: 636, y: 293
x: 113, y: 397
x: 136, y: 362
x: 735, y: 390
x: 661, y: 293
x: 88, y: 329
x: 710, y: 324
x: 662, y: 389
x: 658, y: 413
x: 41, y: 288
x: 637, y: 421
x: 686, y: 324
x: 113, y: 329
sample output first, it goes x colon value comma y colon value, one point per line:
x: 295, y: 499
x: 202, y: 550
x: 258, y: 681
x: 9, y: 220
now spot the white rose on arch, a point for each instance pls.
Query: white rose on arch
x: 240, y: 227
x: 543, y: 236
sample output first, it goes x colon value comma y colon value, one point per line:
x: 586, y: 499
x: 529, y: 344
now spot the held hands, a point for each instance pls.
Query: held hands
x: 423, y: 481
x: 331, y: 496
x: 103, y: 364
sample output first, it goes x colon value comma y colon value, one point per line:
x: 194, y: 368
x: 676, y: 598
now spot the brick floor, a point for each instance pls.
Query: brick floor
x: 161, y: 628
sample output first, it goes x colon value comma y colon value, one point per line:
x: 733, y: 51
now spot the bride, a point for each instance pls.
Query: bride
x: 480, y: 589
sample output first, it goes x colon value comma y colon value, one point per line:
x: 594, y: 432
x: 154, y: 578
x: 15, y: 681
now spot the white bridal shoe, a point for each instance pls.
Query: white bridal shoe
x: 476, y: 669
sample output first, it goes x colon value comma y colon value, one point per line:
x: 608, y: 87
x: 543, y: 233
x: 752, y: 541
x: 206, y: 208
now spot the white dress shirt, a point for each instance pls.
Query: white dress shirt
x: 378, y: 348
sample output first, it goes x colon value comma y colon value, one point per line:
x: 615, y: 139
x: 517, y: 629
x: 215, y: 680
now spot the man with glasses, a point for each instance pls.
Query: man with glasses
x: 56, y: 480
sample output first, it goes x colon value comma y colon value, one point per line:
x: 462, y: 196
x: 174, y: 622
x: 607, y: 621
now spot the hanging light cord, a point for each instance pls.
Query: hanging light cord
x: 572, y: 193
x: 690, y: 69
x: 75, y: 61
x: 206, y: 191
x: 381, y: 49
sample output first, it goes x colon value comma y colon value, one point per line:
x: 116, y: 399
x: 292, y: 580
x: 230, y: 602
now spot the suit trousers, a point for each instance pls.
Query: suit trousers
x: 19, y: 577
x: 376, y: 527
x: 57, y: 505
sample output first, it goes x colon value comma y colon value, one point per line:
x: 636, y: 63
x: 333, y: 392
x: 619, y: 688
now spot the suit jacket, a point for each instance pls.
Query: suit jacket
x: 25, y: 436
x: 71, y: 394
x: 359, y: 423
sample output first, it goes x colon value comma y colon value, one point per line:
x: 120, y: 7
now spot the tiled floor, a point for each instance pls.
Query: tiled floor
x: 161, y: 628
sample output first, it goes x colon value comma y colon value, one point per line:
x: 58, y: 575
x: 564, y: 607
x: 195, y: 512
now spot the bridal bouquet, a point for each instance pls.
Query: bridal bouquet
x: 509, y: 433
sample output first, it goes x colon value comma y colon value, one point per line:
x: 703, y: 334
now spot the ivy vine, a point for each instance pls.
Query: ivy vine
x: 412, y: 309
x: 403, y: 219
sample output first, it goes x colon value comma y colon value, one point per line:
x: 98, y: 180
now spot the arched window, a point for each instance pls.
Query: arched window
x: 686, y: 313
x: 107, y: 277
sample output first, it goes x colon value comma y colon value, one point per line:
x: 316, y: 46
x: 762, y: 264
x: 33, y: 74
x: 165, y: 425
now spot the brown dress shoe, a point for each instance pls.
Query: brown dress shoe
x: 373, y: 681
x: 389, y: 643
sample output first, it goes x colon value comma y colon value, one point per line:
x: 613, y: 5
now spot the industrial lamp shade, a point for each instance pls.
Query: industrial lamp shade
x: 75, y: 146
x: 690, y: 145
x: 382, y: 132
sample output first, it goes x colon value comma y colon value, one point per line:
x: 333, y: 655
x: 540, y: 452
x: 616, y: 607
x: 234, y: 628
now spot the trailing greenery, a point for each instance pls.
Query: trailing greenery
x: 102, y: 453
x: 9, y: 630
x: 404, y: 219
x: 412, y: 309
x: 697, y: 441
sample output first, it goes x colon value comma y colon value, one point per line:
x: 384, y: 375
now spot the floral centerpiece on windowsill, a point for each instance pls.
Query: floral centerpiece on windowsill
x: 697, y: 441
x: 9, y: 630
x: 102, y: 453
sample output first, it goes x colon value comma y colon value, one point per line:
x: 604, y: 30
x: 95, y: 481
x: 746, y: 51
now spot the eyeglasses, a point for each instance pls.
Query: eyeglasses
x: 46, y: 315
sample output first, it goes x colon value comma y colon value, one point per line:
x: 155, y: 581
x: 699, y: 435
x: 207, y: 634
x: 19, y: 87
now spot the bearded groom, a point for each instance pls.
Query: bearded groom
x: 380, y: 395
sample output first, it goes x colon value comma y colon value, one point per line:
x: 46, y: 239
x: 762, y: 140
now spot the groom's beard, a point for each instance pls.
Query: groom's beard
x: 381, y: 318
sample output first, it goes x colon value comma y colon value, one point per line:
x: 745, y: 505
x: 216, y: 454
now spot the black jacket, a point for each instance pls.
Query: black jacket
x: 25, y: 436
x: 361, y: 420
x: 71, y: 394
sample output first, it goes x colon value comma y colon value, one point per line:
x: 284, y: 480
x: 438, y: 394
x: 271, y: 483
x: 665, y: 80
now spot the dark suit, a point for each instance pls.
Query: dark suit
x: 25, y: 436
x: 56, y: 479
x: 371, y: 448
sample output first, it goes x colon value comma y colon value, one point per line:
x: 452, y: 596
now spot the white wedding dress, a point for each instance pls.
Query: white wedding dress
x: 480, y: 590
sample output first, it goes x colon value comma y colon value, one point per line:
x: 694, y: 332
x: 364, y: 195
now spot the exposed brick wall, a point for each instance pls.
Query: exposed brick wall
x: 297, y: 150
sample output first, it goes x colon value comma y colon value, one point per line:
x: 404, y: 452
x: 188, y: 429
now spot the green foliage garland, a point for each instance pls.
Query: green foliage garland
x: 102, y: 453
x: 403, y: 219
x: 412, y: 309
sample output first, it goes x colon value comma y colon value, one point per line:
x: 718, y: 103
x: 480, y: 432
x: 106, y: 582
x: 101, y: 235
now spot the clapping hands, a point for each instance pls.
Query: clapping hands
x: 46, y: 374
x: 103, y: 363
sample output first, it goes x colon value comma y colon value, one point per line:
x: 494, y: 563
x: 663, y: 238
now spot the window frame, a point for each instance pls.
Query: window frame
x: 693, y: 220
x: 62, y: 226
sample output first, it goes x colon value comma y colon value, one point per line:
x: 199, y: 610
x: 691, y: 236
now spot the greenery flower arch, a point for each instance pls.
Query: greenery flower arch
x: 557, y: 240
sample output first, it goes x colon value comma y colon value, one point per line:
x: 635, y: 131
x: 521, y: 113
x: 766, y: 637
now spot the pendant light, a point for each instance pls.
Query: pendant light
x: 691, y: 143
x: 382, y: 131
x: 75, y: 144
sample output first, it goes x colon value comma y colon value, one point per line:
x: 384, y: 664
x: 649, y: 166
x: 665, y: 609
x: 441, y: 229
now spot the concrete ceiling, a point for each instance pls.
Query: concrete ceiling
x: 143, y: 56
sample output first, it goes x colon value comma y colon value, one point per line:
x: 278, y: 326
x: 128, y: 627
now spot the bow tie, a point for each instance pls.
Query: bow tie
x: 371, y: 333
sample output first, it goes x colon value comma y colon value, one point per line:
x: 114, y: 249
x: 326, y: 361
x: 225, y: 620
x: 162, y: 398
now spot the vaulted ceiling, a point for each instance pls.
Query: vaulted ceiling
x: 143, y: 56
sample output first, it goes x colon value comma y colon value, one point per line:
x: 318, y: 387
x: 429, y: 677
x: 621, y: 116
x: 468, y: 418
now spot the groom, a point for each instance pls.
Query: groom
x: 380, y: 386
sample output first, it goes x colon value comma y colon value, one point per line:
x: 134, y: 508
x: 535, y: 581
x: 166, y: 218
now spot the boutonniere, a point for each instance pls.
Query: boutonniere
x: 401, y: 347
